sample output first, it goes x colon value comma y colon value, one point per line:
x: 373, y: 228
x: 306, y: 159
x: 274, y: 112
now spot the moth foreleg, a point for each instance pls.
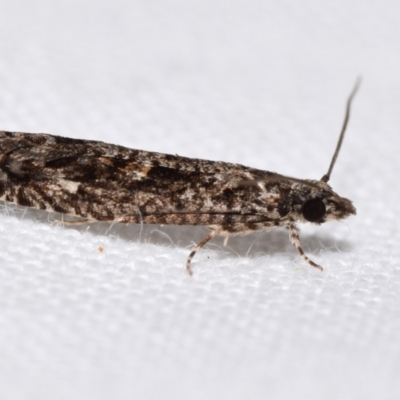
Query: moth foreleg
x: 196, y: 249
x: 295, y: 239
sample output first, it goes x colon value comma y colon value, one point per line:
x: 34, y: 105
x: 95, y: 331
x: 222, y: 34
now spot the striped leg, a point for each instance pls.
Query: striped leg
x: 294, y: 238
x: 196, y: 249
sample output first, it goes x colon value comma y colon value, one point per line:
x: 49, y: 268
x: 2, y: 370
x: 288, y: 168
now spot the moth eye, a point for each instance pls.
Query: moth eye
x: 313, y: 210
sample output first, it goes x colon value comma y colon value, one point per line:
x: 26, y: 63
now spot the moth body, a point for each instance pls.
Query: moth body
x: 96, y: 181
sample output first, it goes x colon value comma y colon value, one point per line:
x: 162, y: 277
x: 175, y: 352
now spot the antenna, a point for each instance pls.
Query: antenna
x: 327, y: 176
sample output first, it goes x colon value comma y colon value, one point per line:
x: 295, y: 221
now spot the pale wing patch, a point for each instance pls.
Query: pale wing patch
x: 69, y: 186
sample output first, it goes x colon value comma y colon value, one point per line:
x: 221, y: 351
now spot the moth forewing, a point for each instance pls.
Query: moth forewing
x: 97, y: 181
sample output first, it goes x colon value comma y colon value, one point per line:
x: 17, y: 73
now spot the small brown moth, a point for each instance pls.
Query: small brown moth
x: 96, y: 181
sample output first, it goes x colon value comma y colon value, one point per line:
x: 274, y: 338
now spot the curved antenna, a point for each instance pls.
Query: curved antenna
x: 327, y: 176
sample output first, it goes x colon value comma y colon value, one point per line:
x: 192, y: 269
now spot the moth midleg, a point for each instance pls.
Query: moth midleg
x: 196, y: 249
x: 295, y: 239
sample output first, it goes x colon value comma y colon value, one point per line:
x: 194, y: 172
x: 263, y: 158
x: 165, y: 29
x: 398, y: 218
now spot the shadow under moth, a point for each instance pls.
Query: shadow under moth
x: 97, y: 181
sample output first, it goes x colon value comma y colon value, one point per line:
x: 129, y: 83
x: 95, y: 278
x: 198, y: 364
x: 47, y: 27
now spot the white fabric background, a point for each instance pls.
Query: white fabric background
x: 259, y: 83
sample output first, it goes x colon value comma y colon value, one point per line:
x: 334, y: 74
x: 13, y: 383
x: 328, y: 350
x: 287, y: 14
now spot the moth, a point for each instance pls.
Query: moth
x: 97, y: 181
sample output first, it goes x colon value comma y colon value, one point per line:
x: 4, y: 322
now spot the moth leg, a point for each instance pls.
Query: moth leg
x: 226, y: 240
x: 196, y: 249
x: 77, y: 222
x: 295, y: 239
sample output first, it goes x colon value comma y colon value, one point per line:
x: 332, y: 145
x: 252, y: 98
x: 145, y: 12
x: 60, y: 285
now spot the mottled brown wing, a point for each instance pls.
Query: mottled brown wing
x: 106, y: 182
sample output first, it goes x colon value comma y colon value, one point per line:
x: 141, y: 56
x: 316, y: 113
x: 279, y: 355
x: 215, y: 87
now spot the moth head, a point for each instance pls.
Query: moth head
x: 325, y: 205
